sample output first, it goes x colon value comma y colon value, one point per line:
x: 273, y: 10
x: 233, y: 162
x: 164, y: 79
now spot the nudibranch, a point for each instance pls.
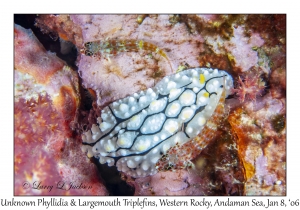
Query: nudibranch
x: 137, y: 132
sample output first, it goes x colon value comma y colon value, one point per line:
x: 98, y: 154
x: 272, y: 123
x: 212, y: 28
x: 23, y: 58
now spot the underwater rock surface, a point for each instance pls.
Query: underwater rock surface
x: 47, y: 159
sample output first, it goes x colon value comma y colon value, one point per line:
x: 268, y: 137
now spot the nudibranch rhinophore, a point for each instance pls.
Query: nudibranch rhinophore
x: 135, y: 132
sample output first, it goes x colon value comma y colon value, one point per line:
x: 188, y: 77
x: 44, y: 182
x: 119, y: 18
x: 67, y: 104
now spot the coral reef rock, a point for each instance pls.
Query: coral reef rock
x: 47, y: 159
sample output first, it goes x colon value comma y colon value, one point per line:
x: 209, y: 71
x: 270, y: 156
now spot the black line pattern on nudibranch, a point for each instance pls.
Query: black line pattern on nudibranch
x: 173, y: 111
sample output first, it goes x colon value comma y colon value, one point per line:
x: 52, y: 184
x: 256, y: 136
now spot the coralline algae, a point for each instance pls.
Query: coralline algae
x: 135, y: 132
x: 46, y: 100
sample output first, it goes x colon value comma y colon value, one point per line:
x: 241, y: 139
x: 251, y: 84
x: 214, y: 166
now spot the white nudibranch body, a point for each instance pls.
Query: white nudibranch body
x: 134, y: 132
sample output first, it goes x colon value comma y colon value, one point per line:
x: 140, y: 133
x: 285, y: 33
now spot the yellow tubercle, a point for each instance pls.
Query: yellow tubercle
x: 141, y: 148
x: 174, y: 107
x: 172, y: 129
x: 186, y: 115
x: 201, y: 121
x: 109, y: 147
x: 202, y: 79
x: 134, y: 118
x: 121, y: 141
x: 206, y: 94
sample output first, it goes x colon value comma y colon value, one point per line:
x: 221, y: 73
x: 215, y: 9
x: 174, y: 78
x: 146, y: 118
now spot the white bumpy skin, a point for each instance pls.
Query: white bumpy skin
x: 134, y: 132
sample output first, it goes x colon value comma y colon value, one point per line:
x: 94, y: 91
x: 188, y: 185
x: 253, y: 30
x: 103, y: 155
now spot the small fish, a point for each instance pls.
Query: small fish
x: 106, y: 48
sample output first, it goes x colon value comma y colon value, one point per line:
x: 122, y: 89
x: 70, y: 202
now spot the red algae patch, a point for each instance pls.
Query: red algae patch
x: 180, y: 182
x: 60, y: 26
x: 44, y: 155
x: 261, y: 145
x: 47, y: 157
x: 32, y: 58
